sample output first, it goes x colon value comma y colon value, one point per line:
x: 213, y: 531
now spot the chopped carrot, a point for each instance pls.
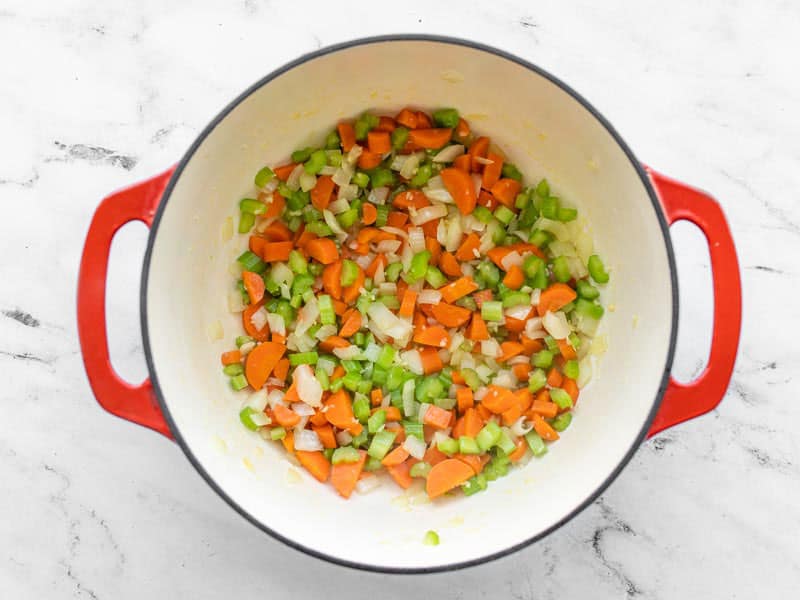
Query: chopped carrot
x: 386, y: 124
x: 461, y: 188
x: 276, y: 251
x: 506, y: 190
x: 433, y: 246
x: 395, y: 457
x: 339, y: 412
x: 344, y: 476
x: 332, y: 279
x: 411, y: 199
x: 318, y: 419
x: 393, y: 414
x: 231, y: 358
x: 478, y: 149
x: 545, y: 408
x: 463, y: 163
x: 515, y: 325
x: 379, y: 142
x: 304, y: 238
x: 450, y: 315
x: 465, y: 399
x: 380, y: 259
x: 492, y: 171
x: 254, y: 284
x: 261, y: 361
x: 321, y: 193
x: 376, y: 396
x: 433, y: 456
x: 477, y: 330
x: 474, y: 461
x: 514, y: 278
x: 530, y: 345
x: 457, y: 378
x: 291, y: 394
x: 554, y: 378
x: 458, y: 289
x: 331, y: 342
x: 407, y: 118
x: 522, y: 371
x: 315, y: 463
x: 470, y: 424
x: 323, y: 250
x: 368, y: 160
x: 523, y: 397
x: 351, y: 324
x: 407, y: 305
x: 468, y: 250
x: 347, y: 136
x: 423, y: 120
x: 325, y: 435
x: 431, y: 361
x: 449, y: 265
x: 431, y: 229
x: 260, y: 335
x: 543, y: 428
x: 554, y: 297
x: 432, y: 336
x: 284, y: 416
x: 277, y: 232
x: 566, y: 349
x: 486, y: 199
x: 520, y: 450
x: 396, y: 218
x: 275, y: 204
x: 498, y: 399
x: 339, y: 307
x: 437, y: 417
x: 370, y: 213
x: 446, y: 475
x: 510, y: 350
x: 284, y: 171
x: 281, y: 369
x: 571, y: 387
x: 462, y: 130
x: 400, y: 474
x: 288, y: 442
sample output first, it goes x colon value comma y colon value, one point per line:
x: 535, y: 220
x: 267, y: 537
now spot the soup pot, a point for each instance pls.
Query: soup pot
x: 547, y: 129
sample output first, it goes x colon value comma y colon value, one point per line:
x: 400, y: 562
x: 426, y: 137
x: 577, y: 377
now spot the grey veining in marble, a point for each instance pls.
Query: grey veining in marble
x: 96, y: 95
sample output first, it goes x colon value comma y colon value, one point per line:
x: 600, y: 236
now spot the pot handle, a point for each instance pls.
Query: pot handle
x: 684, y: 401
x: 135, y: 403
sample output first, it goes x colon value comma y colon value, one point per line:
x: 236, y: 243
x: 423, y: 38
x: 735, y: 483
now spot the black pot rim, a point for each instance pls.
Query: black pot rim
x: 344, y: 46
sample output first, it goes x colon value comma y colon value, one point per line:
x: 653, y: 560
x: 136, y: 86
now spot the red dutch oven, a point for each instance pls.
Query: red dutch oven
x: 548, y: 129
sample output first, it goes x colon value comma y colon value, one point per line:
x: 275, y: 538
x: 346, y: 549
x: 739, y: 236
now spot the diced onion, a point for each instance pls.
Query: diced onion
x: 258, y: 400
x: 535, y: 296
x: 482, y: 161
x: 388, y: 246
x: 364, y: 260
x: 423, y: 408
x: 490, y: 348
x: 259, y: 419
x: 555, y: 227
x: 518, y: 360
x: 372, y: 352
x: 480, y: 393
x: 309, y: 388
x: 366, y: 484
x: 300, y: 343
x: 416, y: 239
x: 306, y: 317
x: 587, y: 325
x: 395, y: 231
x: 415, y: 446
x: 274, y: 398
x: 437, y: 195
x: 387, y: 321
x: 307, y: 181
x: 532, y: 324
x: 476, y: 182
x: 584, y: 246
x: 302, y: 409
x: 454, y: 234
x: 276, y: 323
x: 348, y: 352
x: 343, y: 438
x: 343, y: 174
x: 577, y: 267
x: 511, y: 259
x: 353, y: 154
x: 518, y: 312
x: 334, y: 224
x: 235, y: 302
x: 449, y: 154
x: 440, y: 436
x: 388, y: 288
x: 380, y: 274
x: 429, y: 297
x: 409, y: 168
x: 521, y: 426
x: 327, y: 170
x: 347, y: 192
x: 326, y: 331
x: 556, y: 324
x: 456, y: 339
x: 413, y: 361
x: 246, y: 348
x: 378, y: 195
x: 307, y: 440
x: 339, y: 206
x: 293, y: 181
x: 259, y: 318
x: 429, y: 213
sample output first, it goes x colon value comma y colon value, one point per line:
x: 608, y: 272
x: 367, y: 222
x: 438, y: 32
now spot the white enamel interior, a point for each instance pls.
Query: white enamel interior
x: 545, y: 131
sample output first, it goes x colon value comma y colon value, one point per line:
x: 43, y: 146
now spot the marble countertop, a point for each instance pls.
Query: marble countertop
x: 97, y: 95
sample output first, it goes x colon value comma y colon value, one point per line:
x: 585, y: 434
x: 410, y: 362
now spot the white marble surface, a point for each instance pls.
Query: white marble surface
x: 96, y: 95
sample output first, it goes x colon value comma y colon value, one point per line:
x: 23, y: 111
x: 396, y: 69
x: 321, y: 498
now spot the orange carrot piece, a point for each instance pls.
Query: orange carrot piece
x: 277, y: 232
x: 331, y: 342
x: 281, y: 369
x: 407, y: 118
x: 260, y: 335
x: 284, y: 416
x: 433, y: 246
x: 477, y: 330
x: 520, y: 451
x: 498, y: 399
x: 571, y: 387
x: 437, y: 417
x: 339, y: 412
x: 423, y: 120
x: 318, y: 420
x: 478, y: 148
x: 531, y: 346
x: 473, y: 422
x: 554, y: 297
x: 514, y: 278
x: 430, y: 138
x: 321, y: 193
x: 543, y: 428
x: 446, y: 475
x: 461, y: 188
x: 332, y: 280
x: 370, y: 213
x: 275, y: 204
x: 231, y: 358
x: 396, y: 219
x: 400, y: 474
x: 465, y: 399
x: 386, y: 124
x: 276, y: 251
x: 492, y: 171
x: 510, y: 350
x: 522, y: 370
x: 395, y: 457
x: 449, y: 265
x: 554, y: 378
x: 458, y: 289
x: 393, y: 414
x: 254, y: 285
x: 323, y: 250
x: 261, y: 361
x: 475, y: 462
x: 468, y: 248
x: 376, y: 396
x: 506, y: 190
x: 291, y: 395
x: 524, y: 397
x: 408, y: 303
x: 431, y: 361
x: 457, y: 378
x: 450, y: 315
x: 351, y: 324
x: 347, y: 135
x: 463, y: 163
x: 409, y: 199
x: 326, y: 435
x: 315, y: 463
x: 431, y: 229
x: 515, y: 325
x: 284, y: 171
x: 462, y: 130
x: 380, y: 259
x: 368, y: 160
x: 487, y: 200
x: 288, y: 442
x: 433, y: 456
x: 344, y: 476
x: 379, y: 142
x: 566, y: 349
x: 432, y: 336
